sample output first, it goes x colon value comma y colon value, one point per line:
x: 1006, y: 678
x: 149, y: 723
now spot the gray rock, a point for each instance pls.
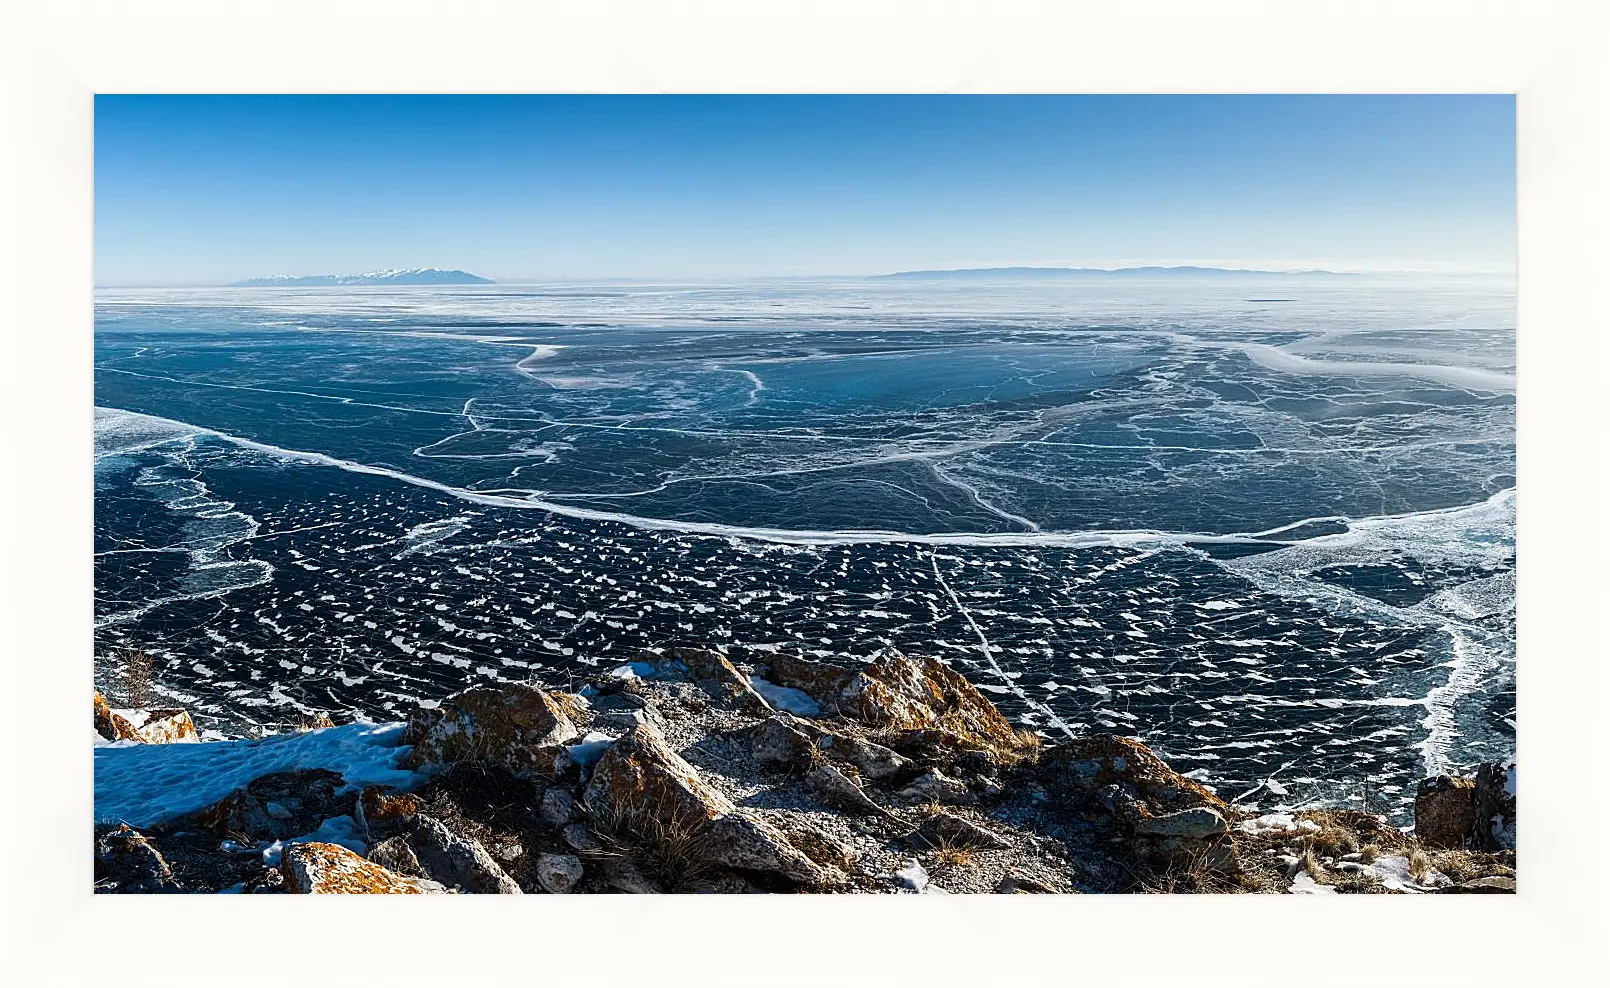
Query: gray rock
x: 623, y: 719
x: 834, y: 788
x: 780, y: 742
x: 1017, y: 883
x: 558, y: 873
x: 507, y: 851
x: 719, y: 678
x: 935, y: 786
x: 950, y: 830
x: 739, y: 840
x: 623, y: 876
x: 579, y: 837
x: 127, y: 858
x: 394, y: 854
x: 557, y: 808
x: 456, y: 860
x: 873, y: 760
x: 1196, y: 823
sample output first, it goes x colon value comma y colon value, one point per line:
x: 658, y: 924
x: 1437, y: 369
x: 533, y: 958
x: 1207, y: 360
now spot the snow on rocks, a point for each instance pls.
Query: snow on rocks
x: 912, y: 875
x: 786, y: 698
x: 142, y: 785
x: 1275, y: 823
x: 146, y: 726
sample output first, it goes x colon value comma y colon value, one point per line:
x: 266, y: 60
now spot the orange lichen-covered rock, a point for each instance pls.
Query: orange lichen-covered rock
x: 137, y: 724
x: 513, y: 726
x: 822, y: 681
x: 326, y: 869
x: 1445, y: 811
x: 166, y: 726
x: 385, y: 808
x: 109, y: 724
x: 900, y: 692
x: 914, y: 693
x: 1106, y: 765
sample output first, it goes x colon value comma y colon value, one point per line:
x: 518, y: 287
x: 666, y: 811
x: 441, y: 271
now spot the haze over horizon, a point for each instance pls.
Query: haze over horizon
x: 207, y: 190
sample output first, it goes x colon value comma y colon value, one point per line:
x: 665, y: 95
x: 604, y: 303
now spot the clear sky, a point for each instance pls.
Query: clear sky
x: 210, y: 189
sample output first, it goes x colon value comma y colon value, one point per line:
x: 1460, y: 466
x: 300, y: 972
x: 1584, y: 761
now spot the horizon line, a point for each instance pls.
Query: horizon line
x: 1424, y: 268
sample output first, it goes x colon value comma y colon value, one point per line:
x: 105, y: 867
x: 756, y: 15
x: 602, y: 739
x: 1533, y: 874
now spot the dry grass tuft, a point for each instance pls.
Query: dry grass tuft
x: 1419, y: 865
x: 667, y: 847
x: 952, y: 857
x: 134, y: 678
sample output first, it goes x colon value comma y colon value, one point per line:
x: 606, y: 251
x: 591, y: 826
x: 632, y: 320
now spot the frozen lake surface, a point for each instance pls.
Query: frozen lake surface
x: 1265, y: 525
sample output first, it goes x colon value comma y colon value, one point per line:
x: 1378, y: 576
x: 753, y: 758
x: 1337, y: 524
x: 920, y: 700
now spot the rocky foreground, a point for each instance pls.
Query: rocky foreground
x: 686, y: 771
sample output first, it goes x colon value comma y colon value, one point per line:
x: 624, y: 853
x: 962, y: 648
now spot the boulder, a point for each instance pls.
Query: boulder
x: 558, y: 873
x: 715, y: 675
x: 111, y: 725
x: 899, y: 692
x: 821, y: 681
x: 557, y: 808
x: 623, y: 876
x: 128, y: 862
x: 873, y: 760
x: 643, y: 787
x: 640, y: 780
x: 781, y: 741
x: 514, y: 726
x: 394, y: 854
x: 1445, y: 811
x: 386, y: 810
x: 935, y: 786
x: 742, y: 840
x: 324, y: 869
x: 1121, y: 774
x: 458, y: 861
x: 833, y: 788
x: 580, y: 838
x: 1195, y: 823
x: 950, y: 830
x: 1015, y: 882
x: 1494, y: 807
x: 279, y: 805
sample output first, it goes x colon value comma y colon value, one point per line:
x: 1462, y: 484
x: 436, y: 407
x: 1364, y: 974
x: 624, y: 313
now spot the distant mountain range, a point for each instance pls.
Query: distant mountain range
x: 1140, y: 272
x: 391, y: 276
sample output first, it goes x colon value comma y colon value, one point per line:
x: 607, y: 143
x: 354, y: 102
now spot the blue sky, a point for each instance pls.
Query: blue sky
x: 209, y: 189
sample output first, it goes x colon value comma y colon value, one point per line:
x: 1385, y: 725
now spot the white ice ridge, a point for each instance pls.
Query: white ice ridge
x: 1274, y: 358
x: 989, y: 651
x: 786, y: 536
